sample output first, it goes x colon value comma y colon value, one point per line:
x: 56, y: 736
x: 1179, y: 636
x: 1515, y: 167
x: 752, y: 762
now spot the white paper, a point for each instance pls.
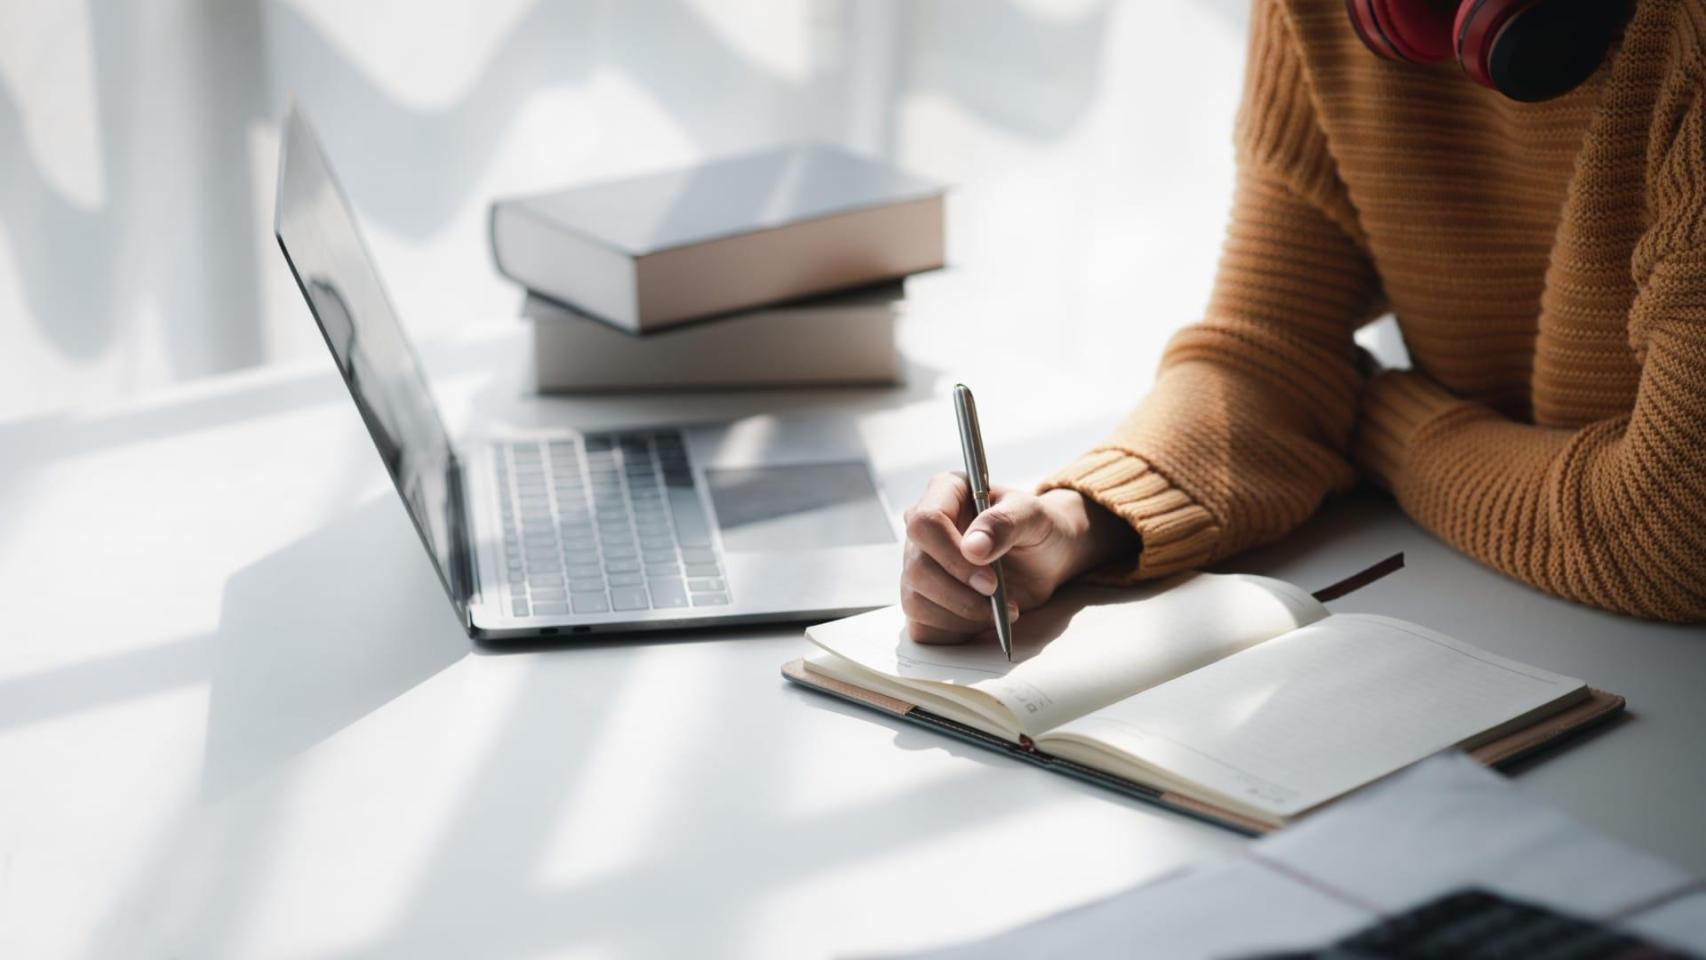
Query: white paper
x: 1442, y: 825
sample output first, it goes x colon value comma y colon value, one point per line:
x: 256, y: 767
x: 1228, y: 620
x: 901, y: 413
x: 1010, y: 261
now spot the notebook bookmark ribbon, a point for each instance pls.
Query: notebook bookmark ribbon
x: 1360, y: 579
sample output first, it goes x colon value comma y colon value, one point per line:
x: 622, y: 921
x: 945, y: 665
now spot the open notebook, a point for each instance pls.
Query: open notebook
x: 1235, y: 697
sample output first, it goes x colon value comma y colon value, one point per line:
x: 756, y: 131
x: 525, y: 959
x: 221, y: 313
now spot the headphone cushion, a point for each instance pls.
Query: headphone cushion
x: 1477, y: 24
x: 1534, y: 49
x: 1419, y: 30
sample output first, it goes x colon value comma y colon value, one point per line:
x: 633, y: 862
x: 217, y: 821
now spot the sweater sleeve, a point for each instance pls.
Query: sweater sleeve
x: 1612, y: 514
x: 1248, y: 426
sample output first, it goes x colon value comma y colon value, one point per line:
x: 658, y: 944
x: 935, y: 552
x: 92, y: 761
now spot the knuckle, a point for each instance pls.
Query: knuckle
x: 920, y: 523
x: 918, y: 570
x: 912, y: 603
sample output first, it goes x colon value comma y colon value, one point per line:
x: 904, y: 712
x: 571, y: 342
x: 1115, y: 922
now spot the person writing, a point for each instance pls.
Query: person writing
x: 1523, y: 184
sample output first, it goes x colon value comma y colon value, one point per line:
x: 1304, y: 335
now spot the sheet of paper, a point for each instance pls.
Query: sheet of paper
x: 1088, y: 647
x: 1289, y: 724
x: 1442, y: 825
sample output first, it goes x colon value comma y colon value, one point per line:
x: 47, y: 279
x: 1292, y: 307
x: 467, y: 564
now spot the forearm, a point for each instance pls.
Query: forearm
x: 1606, y: 515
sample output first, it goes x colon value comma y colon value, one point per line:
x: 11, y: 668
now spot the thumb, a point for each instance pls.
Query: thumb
x: 1013, y: 522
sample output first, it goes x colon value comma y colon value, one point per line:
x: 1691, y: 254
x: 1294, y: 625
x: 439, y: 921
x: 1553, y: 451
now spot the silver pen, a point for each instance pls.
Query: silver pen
x: 977, y: 474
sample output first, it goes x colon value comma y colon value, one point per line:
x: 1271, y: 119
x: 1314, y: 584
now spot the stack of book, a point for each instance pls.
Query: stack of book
x: 774, y: 268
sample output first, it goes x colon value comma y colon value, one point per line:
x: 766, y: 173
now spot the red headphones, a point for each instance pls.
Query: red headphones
x: 1526, y: 49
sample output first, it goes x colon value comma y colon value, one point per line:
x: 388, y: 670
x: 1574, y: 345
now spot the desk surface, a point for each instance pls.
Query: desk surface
x: 238, y: 719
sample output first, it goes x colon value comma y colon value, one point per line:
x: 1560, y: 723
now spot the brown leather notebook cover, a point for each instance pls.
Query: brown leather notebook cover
x: 1598, y: 707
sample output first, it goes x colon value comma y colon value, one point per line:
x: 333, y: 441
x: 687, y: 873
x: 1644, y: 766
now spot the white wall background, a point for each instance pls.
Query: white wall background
x: 1089, y: 142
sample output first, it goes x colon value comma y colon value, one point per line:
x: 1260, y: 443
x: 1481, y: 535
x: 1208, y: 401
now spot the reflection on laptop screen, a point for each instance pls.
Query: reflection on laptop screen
x: 317, y: 231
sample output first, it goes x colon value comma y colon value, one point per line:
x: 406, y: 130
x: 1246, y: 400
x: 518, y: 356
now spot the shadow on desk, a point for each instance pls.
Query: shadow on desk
x: 318, y: 635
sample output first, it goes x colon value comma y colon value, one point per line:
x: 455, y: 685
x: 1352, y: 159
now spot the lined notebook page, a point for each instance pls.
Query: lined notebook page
x: 1298, y: 720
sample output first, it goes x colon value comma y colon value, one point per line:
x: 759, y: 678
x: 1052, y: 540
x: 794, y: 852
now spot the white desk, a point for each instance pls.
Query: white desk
x: 238, y: 719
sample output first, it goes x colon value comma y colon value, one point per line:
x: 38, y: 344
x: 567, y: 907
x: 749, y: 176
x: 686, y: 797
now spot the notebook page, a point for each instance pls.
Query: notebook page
x: 1086, y: 648
x: 1292, y: 723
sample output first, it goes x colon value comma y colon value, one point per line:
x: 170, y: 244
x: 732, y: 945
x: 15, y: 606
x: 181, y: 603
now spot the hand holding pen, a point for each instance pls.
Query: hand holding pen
x: 947, y: 579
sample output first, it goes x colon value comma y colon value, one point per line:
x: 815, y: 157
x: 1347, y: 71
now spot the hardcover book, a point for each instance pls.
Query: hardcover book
x: 648, y: 252
x: 841, y: 339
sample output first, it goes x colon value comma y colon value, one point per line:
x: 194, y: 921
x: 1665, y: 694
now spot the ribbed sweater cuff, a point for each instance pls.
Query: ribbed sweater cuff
x: 1395, y: 407
x: 1177, y: 533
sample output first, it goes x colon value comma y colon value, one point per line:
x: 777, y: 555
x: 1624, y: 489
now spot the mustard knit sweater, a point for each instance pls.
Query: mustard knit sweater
x: 1547, y: 267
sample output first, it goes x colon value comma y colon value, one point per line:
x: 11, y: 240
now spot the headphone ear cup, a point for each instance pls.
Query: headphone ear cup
x: 1416, y: 31
x: 1472, y: 33
x: 1533, y: 50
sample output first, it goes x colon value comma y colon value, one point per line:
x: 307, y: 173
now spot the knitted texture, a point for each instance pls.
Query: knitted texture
x: 1547, y: 267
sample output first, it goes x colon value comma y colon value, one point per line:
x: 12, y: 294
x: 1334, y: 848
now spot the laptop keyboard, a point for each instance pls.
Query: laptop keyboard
x: 605, y: 523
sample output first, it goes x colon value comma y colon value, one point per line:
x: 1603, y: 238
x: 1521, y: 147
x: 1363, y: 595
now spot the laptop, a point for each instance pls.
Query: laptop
x: 589, y: 531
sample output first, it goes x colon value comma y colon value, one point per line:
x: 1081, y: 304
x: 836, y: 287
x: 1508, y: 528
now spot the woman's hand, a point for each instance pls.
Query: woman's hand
x: 1041, y: 541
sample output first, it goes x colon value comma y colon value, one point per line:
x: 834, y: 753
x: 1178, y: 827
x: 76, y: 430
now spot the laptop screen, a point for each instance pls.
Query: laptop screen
x: 318, y: 234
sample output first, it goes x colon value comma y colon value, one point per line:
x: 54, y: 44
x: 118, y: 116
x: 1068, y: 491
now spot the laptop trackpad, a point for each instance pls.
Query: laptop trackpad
x: 797, y: 506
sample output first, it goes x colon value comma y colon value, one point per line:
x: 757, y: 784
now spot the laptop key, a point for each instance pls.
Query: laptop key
x: 627, y: 579
x: 710, y: 599
x: 519, y: 608
x: 662, y: 570
x: 591, y: 603
x: 698, y: 555
x: 621, y: 566
x: 587, y: 586
x: 551, y: 594
x: 628, y: 598
x: 668, y: 593
x: 702, y: 570
x: 711, y: 585
x: 546, y: 609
